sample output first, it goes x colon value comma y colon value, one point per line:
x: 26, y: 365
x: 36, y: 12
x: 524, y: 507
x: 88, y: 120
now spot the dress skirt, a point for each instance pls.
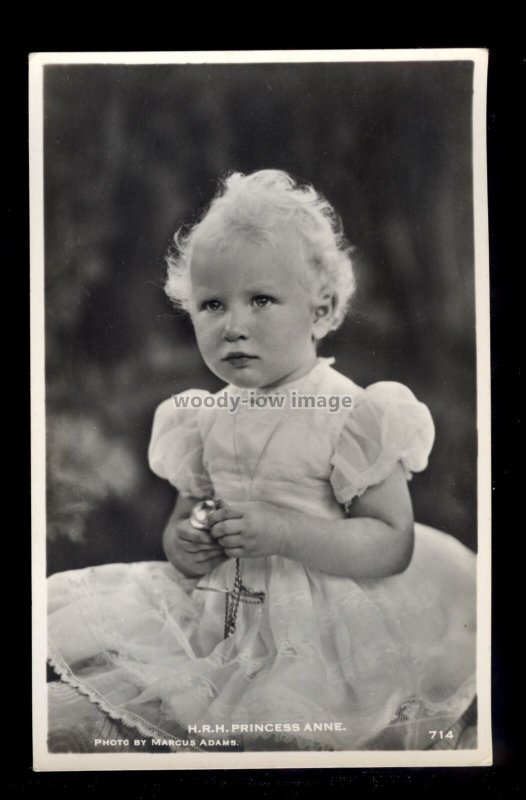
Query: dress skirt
x: 315, y: 661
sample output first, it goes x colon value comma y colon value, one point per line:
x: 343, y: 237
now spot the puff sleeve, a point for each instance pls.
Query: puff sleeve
x: 175, y: 451
x: 386, y: 425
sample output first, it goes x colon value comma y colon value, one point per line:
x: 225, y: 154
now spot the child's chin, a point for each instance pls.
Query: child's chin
x: 243, y: 378
x: 243, y: 381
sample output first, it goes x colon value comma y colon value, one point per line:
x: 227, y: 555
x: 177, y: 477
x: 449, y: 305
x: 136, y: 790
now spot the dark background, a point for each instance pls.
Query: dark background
x: 133, y: 151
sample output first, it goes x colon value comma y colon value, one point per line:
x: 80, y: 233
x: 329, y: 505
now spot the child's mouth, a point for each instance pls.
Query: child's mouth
x: 239, y: 359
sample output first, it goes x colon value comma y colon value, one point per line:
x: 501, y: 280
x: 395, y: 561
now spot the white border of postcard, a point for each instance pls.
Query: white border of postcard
x: 42, y: 759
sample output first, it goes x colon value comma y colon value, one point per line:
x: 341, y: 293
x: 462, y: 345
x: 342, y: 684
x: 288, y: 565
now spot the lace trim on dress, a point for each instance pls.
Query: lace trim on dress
x: 127, y: 717
x: 147, y: 729
x: 413, y: 710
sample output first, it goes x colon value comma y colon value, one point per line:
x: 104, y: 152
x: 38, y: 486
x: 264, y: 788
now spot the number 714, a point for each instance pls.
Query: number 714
x: 441, y: 734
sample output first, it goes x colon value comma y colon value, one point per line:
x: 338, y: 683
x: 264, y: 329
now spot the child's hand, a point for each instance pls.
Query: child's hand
x: 194, y: 552
x: 249, y: 530
x: 198, y: 543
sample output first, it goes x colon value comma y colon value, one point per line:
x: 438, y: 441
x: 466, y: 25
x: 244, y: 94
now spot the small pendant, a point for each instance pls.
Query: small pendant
x: 233, y: 598
x: 200, y: 516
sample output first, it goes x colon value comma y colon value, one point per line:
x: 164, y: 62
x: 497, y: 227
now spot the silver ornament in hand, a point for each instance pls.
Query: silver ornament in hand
x: 200, y: 516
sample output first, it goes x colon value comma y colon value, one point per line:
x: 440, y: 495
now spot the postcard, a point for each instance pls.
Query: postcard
x: 260, y: 409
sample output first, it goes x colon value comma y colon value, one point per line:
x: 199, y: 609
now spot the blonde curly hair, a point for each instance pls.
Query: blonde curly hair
x: 262, y: 207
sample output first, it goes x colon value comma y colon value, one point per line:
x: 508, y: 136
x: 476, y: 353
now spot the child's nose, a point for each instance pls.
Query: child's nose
x: 235, y: 327
x: 232, y: 333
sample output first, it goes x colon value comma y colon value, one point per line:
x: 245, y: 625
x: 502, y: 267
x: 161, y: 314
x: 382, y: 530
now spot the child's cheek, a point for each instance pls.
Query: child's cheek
x: 206, y: 328
x: 209, y: 340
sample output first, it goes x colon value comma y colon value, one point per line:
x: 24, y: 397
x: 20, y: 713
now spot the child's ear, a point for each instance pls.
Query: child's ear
x: 322, y: 314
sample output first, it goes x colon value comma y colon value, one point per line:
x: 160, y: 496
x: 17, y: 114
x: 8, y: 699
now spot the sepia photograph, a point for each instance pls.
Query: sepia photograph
x: 260, y: 409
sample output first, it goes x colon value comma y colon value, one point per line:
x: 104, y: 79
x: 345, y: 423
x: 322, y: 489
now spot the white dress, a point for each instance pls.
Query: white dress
x: 316, y: 661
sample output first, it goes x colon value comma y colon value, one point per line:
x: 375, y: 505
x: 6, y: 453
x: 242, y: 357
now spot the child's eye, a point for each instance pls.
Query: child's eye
x: 211, y: 305
x: 263, y: 300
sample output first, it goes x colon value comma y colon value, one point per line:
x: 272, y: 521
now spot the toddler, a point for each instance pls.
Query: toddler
x: 301, y: 606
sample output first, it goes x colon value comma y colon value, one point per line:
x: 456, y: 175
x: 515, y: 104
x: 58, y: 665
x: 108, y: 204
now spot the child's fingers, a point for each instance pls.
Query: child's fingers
x: 231, y: 541
x: 212, y: 563
x: 230, y: 511
x: 188, y: 534
x: 226, y: 527
x: 196, y: 547
x: 210, y: 555
x: 235, y: 552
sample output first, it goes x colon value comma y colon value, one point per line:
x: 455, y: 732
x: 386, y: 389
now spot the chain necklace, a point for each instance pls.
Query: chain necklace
x: 239, y: 589
x: 199, y: 519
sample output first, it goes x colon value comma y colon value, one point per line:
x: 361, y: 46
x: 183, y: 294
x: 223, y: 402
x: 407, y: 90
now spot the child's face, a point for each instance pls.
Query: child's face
x: 252, y: 313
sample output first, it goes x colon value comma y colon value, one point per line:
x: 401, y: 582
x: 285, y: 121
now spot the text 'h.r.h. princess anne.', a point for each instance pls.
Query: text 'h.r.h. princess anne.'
x: 266, y: 727
x: 263, y: 401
